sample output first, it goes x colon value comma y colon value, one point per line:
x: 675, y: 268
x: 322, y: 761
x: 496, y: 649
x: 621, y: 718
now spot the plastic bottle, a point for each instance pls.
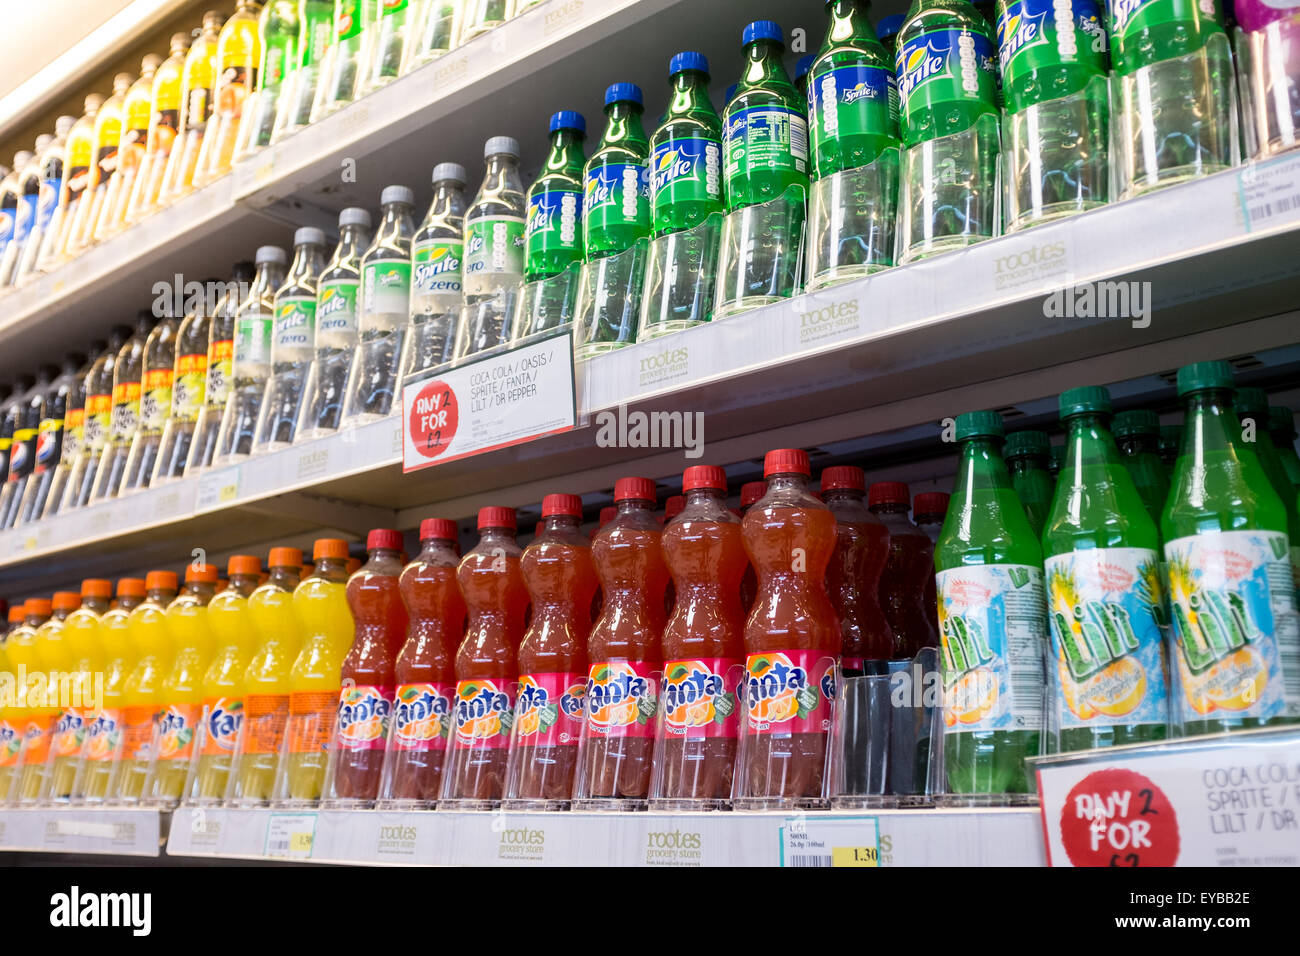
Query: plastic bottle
x: 616, y: 211
x: 52, y: 166
x: 387, y: 40
x: 1105, y: 599
x: 198, y: 85
x: 239, y: 55
x: 482, y: 16
x: 437, y: 260
x: 928, y: 512
x: 102, y: 749
x: 9, y: 199
x: 128, y: 373
x: 1026, y: 454
x: 703, y: 648
x: 337, y: 292
x: 1136, y: 432
x: 293, y: 340
x: 750, y: 493
x: 686, y: 151
x: 157, y: 387
x: 553, y: 240
x: 137, y: 112
x: 220, y: 346
x: 1264, y: 41
x: 560, y: 575
x: 160, y: 137
x: 314, y: 54
x: 909, y: 567
x: 254, y: 325
x: 425, y: 671
x: 486, y: 670
x: 31, y: 715
x: 85, y: 658
x: 341, y: 72
x: 494, y: 248
x: 11, y: 733
x: 27, y: 191
x: 65, y: 397
x: 384, y: 307
x: 1281, y: 425
x: 365, y: 703
x: 104, y: 166
x: 72, y: 439
x: 153, y: 646
x: 887, y: 33
x: 1171, y: 439
x: 52, y: 658
x: 992, y: 624
x: 862, y: 549
x: 79, y: 174
x: 13, y: 410
x: 22, y: 454
x: 279, y: 27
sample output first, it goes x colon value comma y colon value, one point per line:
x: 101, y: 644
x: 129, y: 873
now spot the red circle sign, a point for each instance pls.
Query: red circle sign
x: 1119, y: 818
x: 433, y: 418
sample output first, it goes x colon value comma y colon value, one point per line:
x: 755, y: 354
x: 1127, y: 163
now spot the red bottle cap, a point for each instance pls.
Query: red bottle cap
x: 385, y: 538
x: 641, y: 489
x: 930, y: 503
x: 673, y: 507
x: 607, y: 515
x: 66, y: 600
x: 563, y: 505
x: 96, y: 587
x: 39, y: 607
x: 329, y: 548
x: 843, y: 476
x: 160, y: 581
x: 245, y: 564
x: 284, y: 558
x: 786, y: 461
x: 496, y: 518
x: 443, y: 529
x: 706, y: 476
x: 130, y: 587
x: 888, y: 493
x: 201, y: 572
x: 751, y: 491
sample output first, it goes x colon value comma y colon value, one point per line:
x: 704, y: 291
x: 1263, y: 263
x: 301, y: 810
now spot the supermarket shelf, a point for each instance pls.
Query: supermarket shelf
x: 1011, y: 837
x: 110, y: 832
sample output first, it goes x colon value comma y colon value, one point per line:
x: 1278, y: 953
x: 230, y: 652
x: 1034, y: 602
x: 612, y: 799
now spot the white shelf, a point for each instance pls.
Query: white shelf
x: 112, y: 832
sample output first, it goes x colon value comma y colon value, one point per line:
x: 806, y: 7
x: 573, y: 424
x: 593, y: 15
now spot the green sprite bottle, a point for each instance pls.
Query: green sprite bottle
x: 1231, y: 591
x: 495, y: 223
x: 1281, y: 425
x: 337, y: 293
x: 437, y: 261
x: 1137, y: 432
x: 279, y: 27
x: 315, y: 38
x: 254, y: 326
x: 553, y: 240
x: 482, y: 16
x: 315, y: 31
x: 616, y: 180
x: 1026, y: 454
x: 340, y: 80
x: 294, y: 338
x: 1056, y: 461
x: 686, y: 151
x: 384, y: 308
x: 992, y: 623
x: 1105, y: 605
x: 437, y: 28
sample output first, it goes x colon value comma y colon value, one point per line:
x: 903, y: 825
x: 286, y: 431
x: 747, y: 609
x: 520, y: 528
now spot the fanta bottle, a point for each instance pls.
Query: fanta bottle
x: 182, y: 688
x: 11, y: 735
x: 235, y: 639
x: 142, y: 690
x: 750, y: 493
x: 497, y: 600
x: 862, y: 547
x: 792, y: 639
x: 85, y: 658
x: 366, y: 698
x: 929, y: 508
x: 53, y: 659
x: 910, y: 564
x: 426, y: 668
x: 703, y: 648
x: 625, y: 652
x: 101, y: 750
x: 266, y: 681
x: 29, y: 715
x: 561, y: 580
x: 320, y: 603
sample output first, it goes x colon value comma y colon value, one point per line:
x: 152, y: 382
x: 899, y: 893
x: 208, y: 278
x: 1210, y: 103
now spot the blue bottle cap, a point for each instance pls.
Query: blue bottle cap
x: 804, y: 65
x: 762, y: 30
x: 568, y: 119
x: 624, y: 93
x: 889, y: 26
x: 688, y: 61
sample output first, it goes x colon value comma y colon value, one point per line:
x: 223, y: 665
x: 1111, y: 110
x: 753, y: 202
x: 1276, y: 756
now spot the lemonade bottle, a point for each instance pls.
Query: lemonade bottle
x: 104, y: 165
x: 239, y: 52
x: 104, y: 726
x: 992, y: 623
x: 320, y: 605
x: 266, y: 681
x: 1251, y: 405
x: 1025, y: 453
x: 561, y: 579
x: 85, y: 657
x: 198, y: 82
x: 1104, y: 592
x: 234, y: 638
x: 142, y: 690
x: 136, y: 115
x: 164, y: 121
x: 53, y: 660
x: 1136, y: 433
x: 1231, y: 593
x: 182, y: 688
x: 862, y: 551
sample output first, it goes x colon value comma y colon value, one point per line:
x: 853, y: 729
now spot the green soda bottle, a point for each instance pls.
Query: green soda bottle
x: 992, y: 623
x: 1137, y: 433
x: 340, y: 82
x: 553, y: 240
x: 947, y: 78
x: 616, y: 209
x: 384, y: 309
x: 315, y: 31
x: 1056, y: 461
x: 1053, y: 68
x: 1281, y: 426
x: 1105, y: 600
x: 1026, y: 454
x: 279, y: 27
x: 887, y: 33
x: 337, y: 293
x: 686, y: 151
x: 1231, y: 594
x: 1251, y: 405
x: 1171, y: 438
x: 294, y: 337
x: 437, y: 262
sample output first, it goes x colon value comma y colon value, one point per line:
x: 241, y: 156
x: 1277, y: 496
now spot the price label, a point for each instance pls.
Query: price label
x: 808, y: 841
x: 855, y: 856
x: 290, y: 835
x: 217, y: 489
x: 1269, y: 193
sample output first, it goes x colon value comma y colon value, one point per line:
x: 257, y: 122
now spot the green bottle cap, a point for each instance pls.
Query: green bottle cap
x: 1282, y: 421
x: 1199, y: 376
x: 1252, y: 402
x: 1081, y: 401
x: 986, y: 424
x: 1028, y: 442
x: 1138, y: 421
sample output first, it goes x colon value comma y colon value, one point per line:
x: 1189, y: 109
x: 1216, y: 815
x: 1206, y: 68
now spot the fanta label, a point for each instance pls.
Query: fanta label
x: 137, y: 731
x: 699, y: 697
x: 789, y: 692
x: 38, y: 733
x: 620, y: 699
x: 224, y: 715
x: 176, y: 726
x: 69, y: 733
x: 311, y: 714
x: 265, y: 716
x: 11, y: 743
x: 422, y: 716
x: 483, y: 713
x: 363, y: 717
x: 103, y: 731
x: 549, y: 709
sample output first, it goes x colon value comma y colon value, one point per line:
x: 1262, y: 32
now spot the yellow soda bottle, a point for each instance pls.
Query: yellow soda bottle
x: 266, y: 680
x: 108, y: 137
x: 55, y: 663
x: 182, y: 688
x: 85, y: 654
x: 142, y: 690
x: 104, y: 729
x: 31, y: 724
x: 137, y: 109
x: 198, y: 82
x: 164, y: 121
x: 320, y: 604
x: 223, y: 684
x: 11, y: 735
x: 78, y: 163
x: 239, y: 52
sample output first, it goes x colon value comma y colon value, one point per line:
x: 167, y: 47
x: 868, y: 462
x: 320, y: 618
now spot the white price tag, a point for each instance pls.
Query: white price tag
x: 810, y: 841
x: 1270, y: 193
x: 217, y: 489
x: 290, y: 835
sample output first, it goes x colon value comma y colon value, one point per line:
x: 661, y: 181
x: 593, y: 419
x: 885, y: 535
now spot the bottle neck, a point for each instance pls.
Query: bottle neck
x: 439, y: 550
x: 982, y: 466
x: 624, y: 124
x: 96, y: 605
x: 395, y: 224
x: 566, y: 152
x: 763, y: 64
x: 352, y: 242
x: 564, y: 524
x: 158, y: 596
x: 713, y: 497
x: 849, y: 21
x: 308, y: 259
x: 502, y: 176
x: 790, y: 481
x: 285, y: 578
x: 244, y: 584
x: 1214, y: 424
x: 331, y: 569
x: 690, y: 89
x: 1138, y: 443
x: 850, y: 495
x: 489, y: 537
x: 1089, y: 442
x: 1024, y: 464
x: 384, y: 556
x: 448, y: 200
x: 269, y: 277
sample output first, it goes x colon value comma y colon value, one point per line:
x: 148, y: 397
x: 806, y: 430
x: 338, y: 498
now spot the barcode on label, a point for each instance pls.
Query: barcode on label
x: 1026, y: 690
x: 1276, y: 207
x: 277, y: 846
x: 805, y: 859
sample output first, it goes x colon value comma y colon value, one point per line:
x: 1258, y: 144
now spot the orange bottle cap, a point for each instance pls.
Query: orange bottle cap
x: 329, y: 548
x: 96, y: 588
x: 130, y: 587
x: 16, y: 613
x: 160, y: 581
x: 39, y: 607
x: 201, y: 572
x: 67, y: 600
x: 284, y: 558
x: 243, y: 564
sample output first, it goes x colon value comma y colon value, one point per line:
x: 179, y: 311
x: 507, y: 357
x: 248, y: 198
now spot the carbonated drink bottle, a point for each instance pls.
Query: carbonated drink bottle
x: 164, y: 125
x: 750, y: 493
x: 11, y: 734
x: 9, y: 199
x: 128, y: 374
x: 1231, y: 589
x: 1105, y: 599
x: 887, y: 33
x: 1171, y: 439
x: 425, y: 671
x: 862, y: 550
x: 561, y: 579
x: 33, y: 714
x: 486, y: 671
x: 853, y: 123
x: 437, y: 262
x: 101, y: 751
x: 928, y: 512
x: 434, y: 30
x: 315, y: 39
x: 198, y: 85
x: 553, y: 240
x: 342, y: 67
x: 157, y: 387
x: 1026, y: 455
x: 253, y: 323
x: 294, y: 340
x: 85, y: 657
x: 337, y: 292
x: 54, y: 658
x: 220, y: 347
x: 26, y: 193
x: 73, y: 436
x: 79, y: 173
x: 484, y: 15
x: 948, y: 122
x: 48, y: 216
x: 909, y: 565
x: 152, y: 644
x: 13, y: 411
x: 278, y: 29
x: 992, y: 624
x: 494, y: 250
x: 239, y: 55
x: 137, y: 115
x: 1281, y: 425
x: 64, y: 400
x: 365, y: 703
x: 108, y: 138
x: 1136, y: 432
x: 22, y: 453
x: 387, y: 40
x: 703, y: 648
x: 189, y: 375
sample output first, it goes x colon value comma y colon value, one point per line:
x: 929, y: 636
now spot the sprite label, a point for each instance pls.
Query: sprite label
x: 768, y: 137
x: 336, y: 312
x: 295, y: 328
x: 436, y: 276
x: 386, y: 287
x: 553, y: 219
x: 1033, y: 34
x: 945, y: 66
x: 253, y: 340
x: 494, y: 253
x: 616, y: 195
x: 188, y: 390
x: 685, y: 170
x: 851, y: 101
x: 156, y: 399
